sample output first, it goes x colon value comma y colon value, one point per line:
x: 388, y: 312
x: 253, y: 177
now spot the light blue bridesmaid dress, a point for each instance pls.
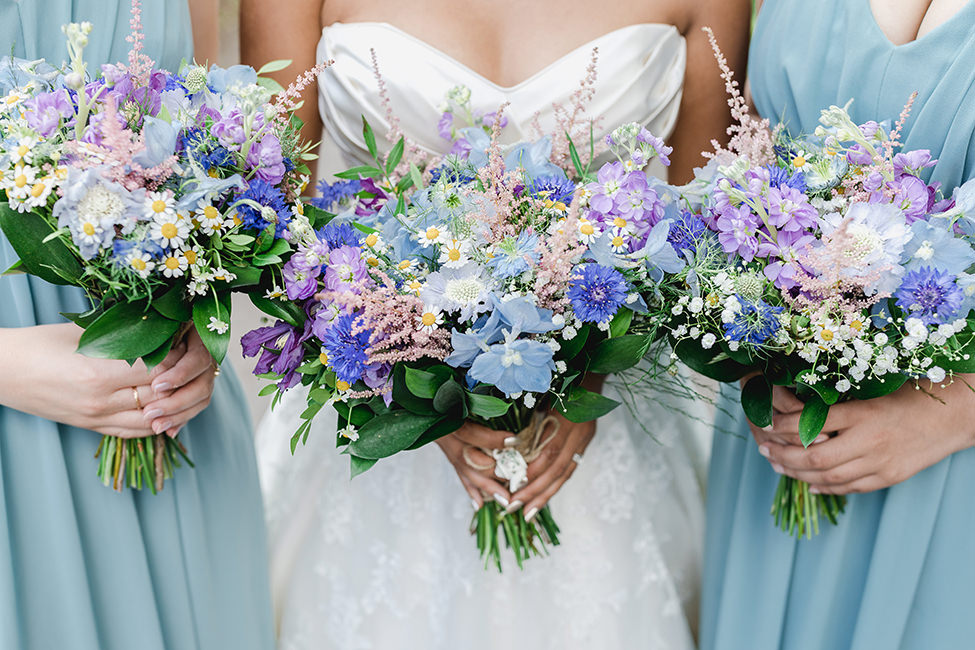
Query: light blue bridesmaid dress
x: 898, y: 572
x: 81, y: 566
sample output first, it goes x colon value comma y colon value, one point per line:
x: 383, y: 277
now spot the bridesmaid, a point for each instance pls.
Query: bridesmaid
x: 898, y: 570
x: 82, y: 566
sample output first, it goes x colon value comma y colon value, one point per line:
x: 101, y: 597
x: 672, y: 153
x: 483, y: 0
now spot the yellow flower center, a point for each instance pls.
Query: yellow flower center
x: 372, y: 239
x: 342, y: 385
x: 429, y: 319
x: 432, y: 233
x: 798, y: 161
x: 587, y: 229
x: 372, y: 261
x: 158, y: 206
x: 453, y: 254
x: 23, y: 150
x: 211, y: 213
x: 826, y: 335
x: 619, y: 222
x: 323, y: 358
x: 856, y: 325
x: 138, y: 264
x: 617, y: 242
x: 213, y: 173
x: 20, y: 181
x: 415, y: 285
x: 169, y: 230
x: 190, y: 256
x: 88, y: 229
x: 12, y: 99
x: 38, y: 190
x: 172, y: 263
x: 405, y: 264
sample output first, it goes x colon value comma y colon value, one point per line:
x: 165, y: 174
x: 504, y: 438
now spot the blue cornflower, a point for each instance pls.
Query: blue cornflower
x: 779, y: 177
x: 755, y: 323
x: 274, y: 204
x: 554, y: 190
x: 335, y: 193
x: 337, y: 235
x: 511, y: 255
x: 686, y: 231
x: 346, y: 351
x: 596, y: 292
x: 930, y: 294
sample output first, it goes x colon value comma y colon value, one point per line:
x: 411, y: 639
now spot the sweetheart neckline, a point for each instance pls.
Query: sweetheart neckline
x: 474, y: 73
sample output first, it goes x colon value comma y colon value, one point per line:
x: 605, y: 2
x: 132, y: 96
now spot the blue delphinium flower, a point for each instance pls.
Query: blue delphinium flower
x: 686, y: 231
x: 779, y: 177
x: 512, y: 255
x: 555, y: 191
x: 930, y: 294
x: 515, y: 366
x: 346, y: 351
x: 335, y: 193
x: 755, y: 323
x: 274, y: 207
x: 337, y: 235
x: 596, y: 293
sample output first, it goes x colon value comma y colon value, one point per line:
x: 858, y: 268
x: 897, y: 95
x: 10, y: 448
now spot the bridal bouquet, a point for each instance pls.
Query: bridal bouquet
x: 826, y: 264
x: 157, y: 193
x: 483, y: 289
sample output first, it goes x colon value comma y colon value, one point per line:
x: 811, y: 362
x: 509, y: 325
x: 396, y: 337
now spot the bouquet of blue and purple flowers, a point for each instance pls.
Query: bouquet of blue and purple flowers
x: 824, y: 263
x: 156, y: 192
x: 483, y: 289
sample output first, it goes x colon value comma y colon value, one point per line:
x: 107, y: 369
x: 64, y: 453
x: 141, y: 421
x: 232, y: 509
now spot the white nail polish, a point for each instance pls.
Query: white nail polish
x: 500, y: 499
x: 513, y: 507
x: 763, y: 450
x: 510, y: 441
x: 531, y: 514
x: 475, y: 505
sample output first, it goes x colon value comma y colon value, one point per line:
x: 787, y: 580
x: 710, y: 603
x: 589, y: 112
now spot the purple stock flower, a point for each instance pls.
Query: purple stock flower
x: 45, y: 112
x: 662, y: 150
x: 229, y: 129
x: 738, y: 231
x: 445, y: 125
x: 637, y: 203
x: 789, y: 209
x: 345, y: 268
x: 609, y: 181
x: 490, y: 118
x: 911, y: 195
x: 300, y: 281
x: 265, y: 158
x: 911, y: 163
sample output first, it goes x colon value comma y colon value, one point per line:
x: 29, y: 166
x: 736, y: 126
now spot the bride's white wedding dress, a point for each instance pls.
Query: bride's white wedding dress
x: 385, y: 561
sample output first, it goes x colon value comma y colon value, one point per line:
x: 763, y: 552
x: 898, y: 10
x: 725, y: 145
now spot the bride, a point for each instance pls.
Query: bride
x: 385, y: 561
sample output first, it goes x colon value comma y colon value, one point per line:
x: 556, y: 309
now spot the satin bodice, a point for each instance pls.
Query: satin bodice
x: 640, y: 76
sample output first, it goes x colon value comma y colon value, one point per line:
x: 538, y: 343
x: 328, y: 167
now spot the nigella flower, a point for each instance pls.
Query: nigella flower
x: 452, y: 175
x: 514, y: 256
x: 930, y: 294
x: 755, y: 323
x: 686, y: 231
x: 271, y: 207
x: 335, y: 194
x: 555, y: 191
x: 515, y: 366
x: 347, y: 350
x: 337, y: 235
x: 281, y: 349
x: 596, y: 292
x: 779, y: 177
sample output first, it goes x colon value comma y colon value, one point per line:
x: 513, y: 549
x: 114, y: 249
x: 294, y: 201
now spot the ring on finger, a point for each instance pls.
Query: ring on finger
x: 135, y: 396
x: 577, y: 458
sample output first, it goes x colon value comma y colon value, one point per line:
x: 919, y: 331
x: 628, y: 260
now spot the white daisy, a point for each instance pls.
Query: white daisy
x: 12, y: 100
x: 170, y: 230
x: 20, y: 182
x: 430, y: 320
x: 23, y: 153
x: 217, y: 325
x: 619, y: 240
x: 223, y: 275
x: 159, y: 205
x: 211, y: 221
x: 432, y: 235
x: 193, y: 255
x: 588, y: 231
x: 373, y: 240
x: 453, y: 253
x: 173, y: 265
x: 141, y: 263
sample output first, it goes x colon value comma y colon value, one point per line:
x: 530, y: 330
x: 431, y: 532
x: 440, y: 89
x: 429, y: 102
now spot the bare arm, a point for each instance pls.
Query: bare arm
x: 704, y: 113
x: 206, y: 30
x: 268, y: 33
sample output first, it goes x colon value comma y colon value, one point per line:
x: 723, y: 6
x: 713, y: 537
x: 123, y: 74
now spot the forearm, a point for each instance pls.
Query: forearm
x: 204, y: 15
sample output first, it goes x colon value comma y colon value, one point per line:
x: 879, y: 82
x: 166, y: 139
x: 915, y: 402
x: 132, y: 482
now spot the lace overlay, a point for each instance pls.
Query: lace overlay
x: 386, y: 561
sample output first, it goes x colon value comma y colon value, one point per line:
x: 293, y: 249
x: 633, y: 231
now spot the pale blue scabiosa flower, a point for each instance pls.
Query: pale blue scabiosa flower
x: 465, y: 289
x: 92, y: 207
x: 755, y: 322
x: 596, y: 292
x: 930, y: 295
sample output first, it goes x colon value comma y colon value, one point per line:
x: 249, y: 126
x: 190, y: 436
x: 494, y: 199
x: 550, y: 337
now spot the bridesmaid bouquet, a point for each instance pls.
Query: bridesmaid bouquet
x: 156, y: 192
x: 484, y: 289
x: 825, y: 264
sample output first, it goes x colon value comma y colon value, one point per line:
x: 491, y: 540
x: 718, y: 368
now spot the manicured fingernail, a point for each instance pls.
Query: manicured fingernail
x: 763, y: 450
x: 152, y: 414
x: 813, y: 490
x: 510, y: 441
x: 161, y: 387
x: 159, y: 427
x: 767, y: 429
x: 531, y: 514
x: 174, y: 432
x: 820, y: 438
x: 475, y: 505
x: 778, y: 469
x: 513, y: 507
x: 500, y: 499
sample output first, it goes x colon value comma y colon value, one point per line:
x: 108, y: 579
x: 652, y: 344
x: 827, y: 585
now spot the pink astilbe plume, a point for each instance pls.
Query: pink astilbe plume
x: 118, y: 147
x: 412, y: 153
x: 750, y: 137
x: 287, y: 101
x: 139, y: 64
x: 569, y: 119
x: 496, y: 203
x: 558, y: 261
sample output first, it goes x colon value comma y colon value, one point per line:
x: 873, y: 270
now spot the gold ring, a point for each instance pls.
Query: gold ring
x: 135, y: 395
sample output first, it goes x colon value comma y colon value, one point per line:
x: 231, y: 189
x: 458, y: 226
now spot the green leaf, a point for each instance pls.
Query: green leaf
x: 437, y: 431
x: 404, y: 397
x: 713, y: 363
x: 274, y: 66
x: 203, y: 311
x: 280, y: 247
x: 17, y: 268
x: 756, y: 401
x: 615, y: 355
x: 127, y: 330
x: 582, y: 405
x: 829, y: 393
x: 266, y: 259
x: 487, y: 406
x: 240, y: 240
x: 265, y: 240
x: 416, y: 176
x: 287, y: 311
x: 317, y: 216
x: 361, y: 465
x: 812, y: 419
x: 872, y: 387
x: 620, y: 323
x: 267, y: 390
x: 247, y: 276
x: 574, y: 154
x: 450, y: 399
x: 49, y: 260
x: 370, y: 138
x: 85, y: 319
x: 404, y: 184
x: 270, y: 85
x: 155, y: 357
x: 363, y: 171
x: 354, y: 414
x: 173, y: 305
x: 395, y: 156
x: 422, y: 383
x: 574, y: 346
x: 389, y: 434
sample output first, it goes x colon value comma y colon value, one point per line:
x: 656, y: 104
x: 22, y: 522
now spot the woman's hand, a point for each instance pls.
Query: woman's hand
x: 182, y: 386
x: 44, y: 376
x: 878, y: 442
x: 465, y: 445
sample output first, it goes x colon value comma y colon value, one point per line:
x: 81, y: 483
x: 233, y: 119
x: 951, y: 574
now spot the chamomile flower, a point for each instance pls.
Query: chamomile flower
x: 40, y: 191
x: 159, y: 205
x: 453, y: 253
x: 18, y: 183
x: 826, y: 335
x: 373, y: 240
x: 211, y: 221
x: 173, y: 265
x: 218, y: 326
x: 619, y: 240
x: 276, y: 293
x: 23, y: 153
x: 414, y: 286
x: 170, y: 230
x: 12, y: 100
x: 406, y: 266
x: 193, y: 255
x: 140, y: 262
x: 588, y: 231
x: 430, y: 320
x: 223, y: 275
x: 432, y: 235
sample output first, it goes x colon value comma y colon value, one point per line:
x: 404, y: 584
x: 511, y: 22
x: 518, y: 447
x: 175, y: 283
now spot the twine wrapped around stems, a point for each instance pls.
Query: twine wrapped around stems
x: 511, y: 463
